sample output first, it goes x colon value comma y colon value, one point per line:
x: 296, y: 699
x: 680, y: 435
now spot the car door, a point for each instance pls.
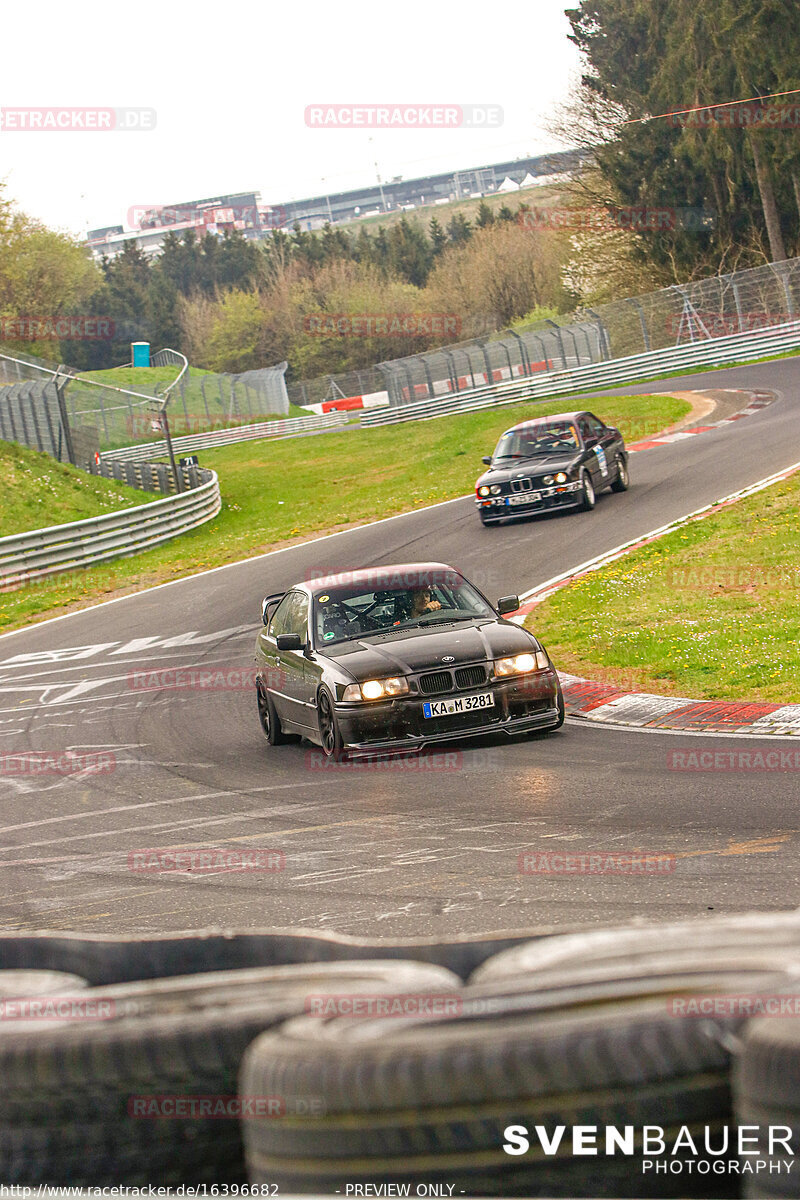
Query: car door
x: 595, y: 458
x: 609, y: 440
x: 285, y: 677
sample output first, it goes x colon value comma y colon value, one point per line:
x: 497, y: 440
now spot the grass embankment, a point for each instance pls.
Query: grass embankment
x: 708, y: 612
x: 36, y: 491
x: 275, y: 492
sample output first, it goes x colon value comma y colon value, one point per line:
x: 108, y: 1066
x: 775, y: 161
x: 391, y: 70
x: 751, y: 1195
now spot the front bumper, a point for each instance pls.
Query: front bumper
x: 562, y: 495
x: 521, y: 705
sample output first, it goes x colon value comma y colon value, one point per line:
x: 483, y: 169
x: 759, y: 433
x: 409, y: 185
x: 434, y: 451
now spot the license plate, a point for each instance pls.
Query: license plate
x: 459, y: 704
x: 525, y: 498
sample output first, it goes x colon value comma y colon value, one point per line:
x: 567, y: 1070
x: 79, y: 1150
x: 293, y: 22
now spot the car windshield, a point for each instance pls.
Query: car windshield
x: 358, y: 611
x: 537, y: 438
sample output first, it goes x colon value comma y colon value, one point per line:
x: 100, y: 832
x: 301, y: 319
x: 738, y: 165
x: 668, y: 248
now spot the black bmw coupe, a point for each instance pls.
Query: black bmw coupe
x: 561, y: 461
x: 397, y: 658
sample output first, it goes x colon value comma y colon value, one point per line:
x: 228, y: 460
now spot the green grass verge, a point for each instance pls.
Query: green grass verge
x: 708, y: 612
x: 274, y: 492
x: 36, y: 491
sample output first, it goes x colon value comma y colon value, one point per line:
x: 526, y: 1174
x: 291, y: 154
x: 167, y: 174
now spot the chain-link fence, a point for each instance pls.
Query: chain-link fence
x: 705, y: 309
x: 51, y: 408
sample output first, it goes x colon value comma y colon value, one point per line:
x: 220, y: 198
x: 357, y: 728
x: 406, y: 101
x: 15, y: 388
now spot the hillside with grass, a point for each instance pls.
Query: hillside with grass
x: 36, y: 491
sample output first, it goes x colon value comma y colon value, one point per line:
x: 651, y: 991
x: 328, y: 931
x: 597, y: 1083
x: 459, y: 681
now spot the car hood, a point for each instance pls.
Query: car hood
x: 423, y: 649
x: 530, y: 467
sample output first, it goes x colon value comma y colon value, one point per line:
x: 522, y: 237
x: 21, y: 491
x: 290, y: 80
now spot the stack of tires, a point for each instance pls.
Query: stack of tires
x: 485, y: 1068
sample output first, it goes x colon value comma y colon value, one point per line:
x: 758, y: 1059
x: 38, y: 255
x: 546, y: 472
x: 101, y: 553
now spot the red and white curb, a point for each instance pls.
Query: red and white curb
x: 758, y: 400
x: 608, y: 703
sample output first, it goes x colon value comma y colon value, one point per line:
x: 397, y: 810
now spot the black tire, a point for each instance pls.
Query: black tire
x: 329, y: 733
x: 621, y: 479
x: 431, y: 1099
x: 80, y: 1098
x: 619, y: 947
x: 588, y: 498
x: 109, y: 960
x: 486, y: 520
x: 268, y: 718
x: 767, y: 1093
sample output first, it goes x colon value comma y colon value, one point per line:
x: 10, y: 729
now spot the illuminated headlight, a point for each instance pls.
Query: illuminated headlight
x: 521, y: 664
x: 548, y: 479
x: 376, y: 689
x: 561, y: 477
x: 495, y: 490
x: 483, y: 491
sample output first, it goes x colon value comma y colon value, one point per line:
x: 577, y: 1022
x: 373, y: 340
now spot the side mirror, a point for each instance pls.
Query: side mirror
x: 507, y: 604
x: 486, y: 460
x: 289, y: 641
x: 265, y: 611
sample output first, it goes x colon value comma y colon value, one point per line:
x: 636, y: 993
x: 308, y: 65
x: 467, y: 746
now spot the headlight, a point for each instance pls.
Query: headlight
x: 548, y: 479
x: 376, y: 689
x: 495, y: 490
x: 561, y: 477
x: 521, y: 664
x: 483, y: 491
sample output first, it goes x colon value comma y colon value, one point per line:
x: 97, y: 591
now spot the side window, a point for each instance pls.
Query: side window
x: 585, y: 431
x: 282, y: 616
x: 597, y: 426
x: 298, y: 617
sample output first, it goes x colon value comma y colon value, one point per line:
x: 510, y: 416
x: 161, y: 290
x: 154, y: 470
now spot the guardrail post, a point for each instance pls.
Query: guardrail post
x: 605, y: 344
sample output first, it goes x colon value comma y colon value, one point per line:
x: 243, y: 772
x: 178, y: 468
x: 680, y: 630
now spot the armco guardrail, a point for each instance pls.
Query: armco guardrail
x: 715, y: 352
x: 42, y: 552
x: 292, y: 427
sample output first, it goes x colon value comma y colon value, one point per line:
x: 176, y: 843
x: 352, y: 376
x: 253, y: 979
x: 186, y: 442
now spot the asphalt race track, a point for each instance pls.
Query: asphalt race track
x: 371, y: 851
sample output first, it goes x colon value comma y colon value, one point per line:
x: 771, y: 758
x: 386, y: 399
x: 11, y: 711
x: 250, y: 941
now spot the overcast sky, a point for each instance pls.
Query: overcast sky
x: 231, y: 83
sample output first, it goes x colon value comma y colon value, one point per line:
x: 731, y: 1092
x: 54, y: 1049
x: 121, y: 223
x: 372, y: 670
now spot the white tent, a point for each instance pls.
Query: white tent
x: 508, y: 185
x: 529, y: 181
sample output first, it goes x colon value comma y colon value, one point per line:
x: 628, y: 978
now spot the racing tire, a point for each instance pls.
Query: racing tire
x: 104, y: 961
x: 621, y: 479
x: 562, y: 712
x: 21, y: 983
x: 92, y: 1102
x: 431, y: 1100
x: 588, y: 498
x: 268, y: 718
x: 486, y: 521
x: 766, y: 1083
x: 616, y: 948
x: 329, y: 732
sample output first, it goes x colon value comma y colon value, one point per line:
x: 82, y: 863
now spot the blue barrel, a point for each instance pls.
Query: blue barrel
x: 141, y: 354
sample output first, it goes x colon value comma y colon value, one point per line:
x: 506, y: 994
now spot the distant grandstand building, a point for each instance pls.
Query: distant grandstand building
x: 245, y: 212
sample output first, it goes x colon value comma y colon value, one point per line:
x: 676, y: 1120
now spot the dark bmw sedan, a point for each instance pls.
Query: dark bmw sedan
x: 560, y: 461
x: 397, y: 658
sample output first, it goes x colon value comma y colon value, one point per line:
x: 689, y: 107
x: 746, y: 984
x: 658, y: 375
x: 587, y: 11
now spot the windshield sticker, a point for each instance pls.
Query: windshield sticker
x: 324, y: 599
